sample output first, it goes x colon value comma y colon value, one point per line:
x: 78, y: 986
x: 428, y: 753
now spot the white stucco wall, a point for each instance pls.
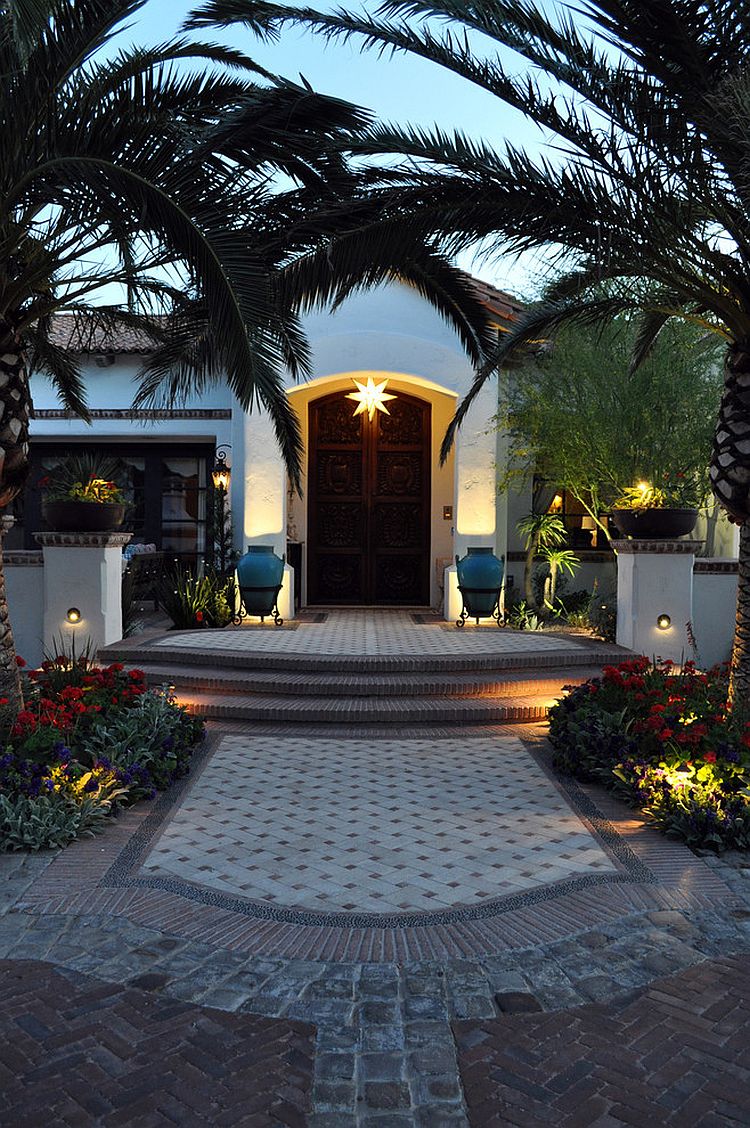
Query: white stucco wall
x: 25, y: 591
x: 714, y: 607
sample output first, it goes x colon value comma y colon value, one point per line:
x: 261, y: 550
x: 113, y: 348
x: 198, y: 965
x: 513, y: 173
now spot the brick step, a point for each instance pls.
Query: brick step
x: 590, y: 654
x: 367, y: 710
x: 309, y: 683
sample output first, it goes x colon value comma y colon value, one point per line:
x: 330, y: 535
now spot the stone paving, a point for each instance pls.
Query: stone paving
x: 432, y: 1001
x: 385, y: 1052
x: 374, y: 632
x: 75, y: 1050
x: 375, y: 827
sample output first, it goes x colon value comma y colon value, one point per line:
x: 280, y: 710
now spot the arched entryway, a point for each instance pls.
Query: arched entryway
x: 369, y: 503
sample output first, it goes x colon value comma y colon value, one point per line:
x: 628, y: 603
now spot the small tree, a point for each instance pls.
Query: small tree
x: 559, y: 560
x: 582, y: 419
x: 540, y: 531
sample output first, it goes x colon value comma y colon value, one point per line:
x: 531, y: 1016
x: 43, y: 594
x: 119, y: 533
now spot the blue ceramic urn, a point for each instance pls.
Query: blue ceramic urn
x: 480, y: 577
x: 259, y: 575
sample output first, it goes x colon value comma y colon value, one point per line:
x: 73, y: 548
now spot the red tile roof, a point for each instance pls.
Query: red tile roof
x: 79, y: 335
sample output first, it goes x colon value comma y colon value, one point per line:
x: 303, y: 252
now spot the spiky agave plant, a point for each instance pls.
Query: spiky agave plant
x: 645, y: 188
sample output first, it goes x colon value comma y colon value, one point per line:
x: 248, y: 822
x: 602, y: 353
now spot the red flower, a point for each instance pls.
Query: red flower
x: 4, y: 701
x: 136, y: 675
x: 666, y: 734
x: 115, y: 668
x: 20, y: 661
x: 658, y: 708
x: 199, y: 616
x: 71, y: 693
x: 709, y: 757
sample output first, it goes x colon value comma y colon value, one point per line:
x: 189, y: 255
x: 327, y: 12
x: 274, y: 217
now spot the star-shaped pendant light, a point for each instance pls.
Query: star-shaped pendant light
x: 371, y: 397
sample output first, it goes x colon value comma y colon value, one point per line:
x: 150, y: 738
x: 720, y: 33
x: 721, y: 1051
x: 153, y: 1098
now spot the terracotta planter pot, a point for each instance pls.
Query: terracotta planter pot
x: 655, y: 524
x: 83, y: 516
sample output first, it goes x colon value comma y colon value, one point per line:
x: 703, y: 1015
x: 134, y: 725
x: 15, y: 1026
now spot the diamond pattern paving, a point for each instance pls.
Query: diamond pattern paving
x: 381, y: 827
x: 376, y: 632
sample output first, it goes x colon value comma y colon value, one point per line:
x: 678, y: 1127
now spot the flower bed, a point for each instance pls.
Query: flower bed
x: 667, y: 742
x: 88, y: 741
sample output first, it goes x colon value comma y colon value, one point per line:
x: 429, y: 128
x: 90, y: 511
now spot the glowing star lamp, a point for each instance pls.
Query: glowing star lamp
x: 371, y: 397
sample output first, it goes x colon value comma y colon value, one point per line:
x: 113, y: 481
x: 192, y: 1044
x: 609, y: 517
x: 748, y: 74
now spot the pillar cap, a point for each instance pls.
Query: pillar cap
x: 83, y: 540
x: 659, y: 547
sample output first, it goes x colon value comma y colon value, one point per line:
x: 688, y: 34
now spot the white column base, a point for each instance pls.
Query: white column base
x: 655, y: 578
x: 82, y: 570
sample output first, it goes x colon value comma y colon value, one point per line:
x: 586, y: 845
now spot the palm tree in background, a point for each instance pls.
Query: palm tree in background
x: 645, y: 192
x: 140, y: 188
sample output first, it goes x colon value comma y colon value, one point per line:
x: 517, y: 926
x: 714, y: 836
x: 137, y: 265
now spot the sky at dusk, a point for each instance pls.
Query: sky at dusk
x: 402, y: 90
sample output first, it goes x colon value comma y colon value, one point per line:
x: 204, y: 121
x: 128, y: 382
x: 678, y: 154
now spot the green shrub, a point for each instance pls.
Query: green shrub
x: 48, y: 822
x: 148, y: 746
x: 665, y: 741
x: 196, y: 601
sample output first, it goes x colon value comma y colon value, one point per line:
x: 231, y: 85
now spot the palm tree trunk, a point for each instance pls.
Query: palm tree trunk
x: 528, y: 568
x: 10, y: 675
x: 730, y: 459
x: 552, y: 582
x: 739, y: 686
x: 15, y: 411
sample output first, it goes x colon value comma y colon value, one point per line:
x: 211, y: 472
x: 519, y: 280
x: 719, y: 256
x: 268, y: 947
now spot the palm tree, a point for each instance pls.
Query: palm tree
x: 138, y: 187
x: 645, y: 188
x: 540, y: 531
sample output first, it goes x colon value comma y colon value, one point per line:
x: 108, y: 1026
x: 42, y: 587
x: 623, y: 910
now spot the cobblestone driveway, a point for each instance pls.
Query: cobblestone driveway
x: 384, y: 1002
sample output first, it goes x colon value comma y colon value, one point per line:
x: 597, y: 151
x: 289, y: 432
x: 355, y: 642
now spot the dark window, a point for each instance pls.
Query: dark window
x: 167, y: 489
x: 582, y: 532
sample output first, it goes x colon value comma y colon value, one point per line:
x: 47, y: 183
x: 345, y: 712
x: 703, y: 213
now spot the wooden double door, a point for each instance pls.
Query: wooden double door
x: 369, y: 503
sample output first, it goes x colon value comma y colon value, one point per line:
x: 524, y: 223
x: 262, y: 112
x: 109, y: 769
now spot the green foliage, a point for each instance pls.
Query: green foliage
x: 583, y: 420
x: 521, y: 617
x: 225, y: 554
x: 89, y: 740
x: 88, y: 477
x: 665, y: 741
x: 196, y: 601
x: 540, y: 531
x: 154, y: 734
x: 48, y: 822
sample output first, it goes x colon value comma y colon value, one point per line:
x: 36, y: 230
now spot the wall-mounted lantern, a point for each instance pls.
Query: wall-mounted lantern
x: 221, y: 475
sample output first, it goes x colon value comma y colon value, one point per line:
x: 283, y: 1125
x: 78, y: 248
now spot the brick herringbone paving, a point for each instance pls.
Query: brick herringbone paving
x: 676, y: 1054
x: 74, y: 1050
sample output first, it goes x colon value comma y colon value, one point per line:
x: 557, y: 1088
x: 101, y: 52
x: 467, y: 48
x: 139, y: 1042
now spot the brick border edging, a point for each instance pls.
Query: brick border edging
x: 679, y: 880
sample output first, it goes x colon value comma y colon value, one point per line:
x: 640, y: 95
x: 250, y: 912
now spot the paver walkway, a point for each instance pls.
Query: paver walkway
x: 437, y: 912
x: 371, y: 632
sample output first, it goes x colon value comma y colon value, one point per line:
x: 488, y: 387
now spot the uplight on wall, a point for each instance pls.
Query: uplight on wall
x: 663, y: 622
x: 73, y: 615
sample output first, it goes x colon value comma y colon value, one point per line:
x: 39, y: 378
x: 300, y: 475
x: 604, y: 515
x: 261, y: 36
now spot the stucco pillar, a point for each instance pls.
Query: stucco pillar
x: 265, y: 500
x: 82, y: 571
x: 655, y: 578
x: 475, y: 490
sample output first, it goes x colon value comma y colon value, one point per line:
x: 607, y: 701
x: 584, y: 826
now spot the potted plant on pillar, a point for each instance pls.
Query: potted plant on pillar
x: 82, y: 495
x: 670, y: 510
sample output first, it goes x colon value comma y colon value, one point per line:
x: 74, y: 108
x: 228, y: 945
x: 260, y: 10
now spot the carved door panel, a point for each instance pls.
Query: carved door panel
x: 369, y: 507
